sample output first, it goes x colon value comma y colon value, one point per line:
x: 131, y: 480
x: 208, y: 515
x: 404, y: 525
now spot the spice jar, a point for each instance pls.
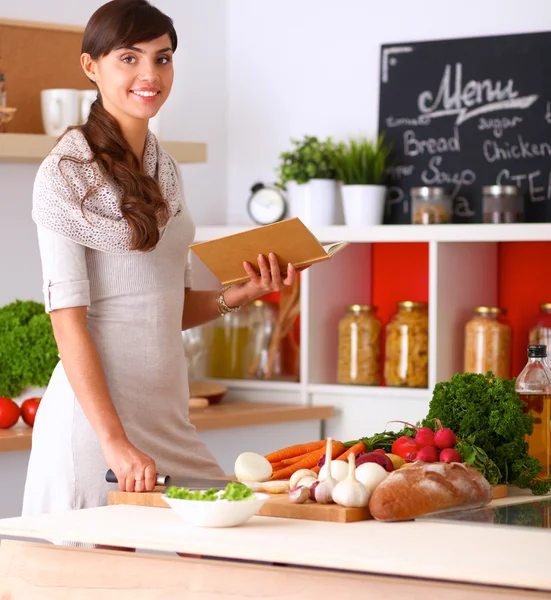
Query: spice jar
x: 488, y: 342
x: 430, y: 205
x: 540, y: 331
x: 407, y: 346
x: 359, y: 352
x: 502, y: 204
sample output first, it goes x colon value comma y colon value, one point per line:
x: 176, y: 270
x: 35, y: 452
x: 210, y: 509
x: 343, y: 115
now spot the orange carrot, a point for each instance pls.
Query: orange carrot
x: 291, y: 451
x: 309, y: 461
x: 316, y: 470
x: 292, y: 461
x: 355, y: 449
x: 279, y: 465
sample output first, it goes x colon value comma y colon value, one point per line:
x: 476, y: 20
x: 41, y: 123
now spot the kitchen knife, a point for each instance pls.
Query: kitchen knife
x: 192, y: 483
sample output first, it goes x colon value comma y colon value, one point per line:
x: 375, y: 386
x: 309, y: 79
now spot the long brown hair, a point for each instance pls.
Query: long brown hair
x: 124, y: 23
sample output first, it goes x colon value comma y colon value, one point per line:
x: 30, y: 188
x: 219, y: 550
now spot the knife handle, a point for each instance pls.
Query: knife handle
x: 161, y: 479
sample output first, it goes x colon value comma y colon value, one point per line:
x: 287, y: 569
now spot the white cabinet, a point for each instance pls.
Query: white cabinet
x: 467, y: 265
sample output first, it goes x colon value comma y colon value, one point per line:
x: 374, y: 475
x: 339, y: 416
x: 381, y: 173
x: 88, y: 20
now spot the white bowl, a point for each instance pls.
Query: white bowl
x: 216, y: 513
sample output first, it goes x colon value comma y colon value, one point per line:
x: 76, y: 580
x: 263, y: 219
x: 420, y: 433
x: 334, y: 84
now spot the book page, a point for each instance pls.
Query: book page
x: 334, y: 247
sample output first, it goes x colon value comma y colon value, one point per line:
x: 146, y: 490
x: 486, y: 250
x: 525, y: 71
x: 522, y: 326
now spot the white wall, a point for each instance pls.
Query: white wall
x: 195, y: 111
x: 312, y: 67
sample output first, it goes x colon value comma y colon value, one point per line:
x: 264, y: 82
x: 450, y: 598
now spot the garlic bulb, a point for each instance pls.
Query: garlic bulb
x: 339, y: 470
x: 350, y: 492
x: 298, y: 475
x: 324, y: 489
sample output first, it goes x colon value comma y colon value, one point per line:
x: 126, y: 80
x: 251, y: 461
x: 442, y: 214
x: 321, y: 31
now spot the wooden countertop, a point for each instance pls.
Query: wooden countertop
x: 225, y: 415
x: 469, y: 553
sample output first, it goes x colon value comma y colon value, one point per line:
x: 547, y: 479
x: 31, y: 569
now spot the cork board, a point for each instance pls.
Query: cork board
x: 36, y: 56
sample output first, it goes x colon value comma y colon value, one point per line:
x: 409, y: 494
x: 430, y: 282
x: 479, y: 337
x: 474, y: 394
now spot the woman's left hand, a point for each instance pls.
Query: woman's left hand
x: 269, y: 280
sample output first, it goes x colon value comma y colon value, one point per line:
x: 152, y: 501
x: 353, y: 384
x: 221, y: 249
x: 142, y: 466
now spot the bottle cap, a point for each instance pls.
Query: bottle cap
x: 537, y: 351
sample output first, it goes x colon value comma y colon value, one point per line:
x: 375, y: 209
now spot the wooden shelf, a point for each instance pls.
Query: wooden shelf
x: 33, y: 148
x: 226, y: 415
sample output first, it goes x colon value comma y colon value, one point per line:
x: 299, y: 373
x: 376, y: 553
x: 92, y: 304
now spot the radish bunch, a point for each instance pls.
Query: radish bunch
x: 427, y: 445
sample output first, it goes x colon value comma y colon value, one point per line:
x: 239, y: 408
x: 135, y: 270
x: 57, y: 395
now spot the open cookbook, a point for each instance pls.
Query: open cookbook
x: 290, y: 240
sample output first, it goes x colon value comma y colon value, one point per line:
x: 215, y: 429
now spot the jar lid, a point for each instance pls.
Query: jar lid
x: 412, y: 304
x: 539, y: 351
x: 500, y: 190
x: 488, y: 310
x: 546, y: 306
x: 427, y: 192
x: 360, y: 308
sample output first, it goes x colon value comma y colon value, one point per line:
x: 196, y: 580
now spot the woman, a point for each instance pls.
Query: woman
x: 114, y: 235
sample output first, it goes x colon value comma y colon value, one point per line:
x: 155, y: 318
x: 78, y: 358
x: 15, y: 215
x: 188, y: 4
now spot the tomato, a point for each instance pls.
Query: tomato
x: 404, y: 446
x: 28, y: 410
x: 379, y: 450
x: 9, y: 413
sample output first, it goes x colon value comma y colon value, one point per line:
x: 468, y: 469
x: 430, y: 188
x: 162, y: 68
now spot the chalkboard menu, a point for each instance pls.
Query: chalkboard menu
x: 467, y: 113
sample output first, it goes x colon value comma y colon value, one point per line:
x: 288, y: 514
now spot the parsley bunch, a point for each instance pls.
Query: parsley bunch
x: 486, y: 411
x: 28, y: 350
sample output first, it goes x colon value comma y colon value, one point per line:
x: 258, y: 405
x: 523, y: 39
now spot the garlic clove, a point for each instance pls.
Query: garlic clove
x: 298, y: 475
x: 299, y: 495
x: 307, y: 481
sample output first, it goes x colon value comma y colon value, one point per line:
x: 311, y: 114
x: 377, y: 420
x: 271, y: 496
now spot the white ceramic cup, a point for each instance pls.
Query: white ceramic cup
x: 86, y: 99
x: 60, y: 109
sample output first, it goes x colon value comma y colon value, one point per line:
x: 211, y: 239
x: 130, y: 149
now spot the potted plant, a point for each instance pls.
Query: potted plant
x: 360, y: 168
x: 307, y: 173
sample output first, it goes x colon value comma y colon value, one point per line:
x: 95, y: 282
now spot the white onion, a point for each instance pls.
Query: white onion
x: 371, y: 475
x: 250, y: 466
x: 339, y: 470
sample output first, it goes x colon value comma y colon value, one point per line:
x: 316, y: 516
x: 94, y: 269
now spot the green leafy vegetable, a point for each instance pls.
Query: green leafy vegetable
x: 487, y: 416
x: 28, y: 350
x: 233, y: 492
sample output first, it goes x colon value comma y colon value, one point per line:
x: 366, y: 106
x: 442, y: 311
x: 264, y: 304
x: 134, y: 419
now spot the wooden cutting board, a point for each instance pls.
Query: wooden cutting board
x: 278, y: 505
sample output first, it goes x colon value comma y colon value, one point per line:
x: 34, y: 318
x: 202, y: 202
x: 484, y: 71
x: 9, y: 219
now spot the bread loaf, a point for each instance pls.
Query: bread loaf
x: 425, y: 488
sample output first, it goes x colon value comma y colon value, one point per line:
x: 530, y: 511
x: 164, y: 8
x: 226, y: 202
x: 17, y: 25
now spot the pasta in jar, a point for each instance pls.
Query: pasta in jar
x: 407, y: 346
x: 359, y: 352
x: 488, y: 343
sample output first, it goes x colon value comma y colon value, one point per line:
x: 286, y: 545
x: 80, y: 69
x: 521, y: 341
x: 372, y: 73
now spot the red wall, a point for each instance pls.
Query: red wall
x: 524, y: 283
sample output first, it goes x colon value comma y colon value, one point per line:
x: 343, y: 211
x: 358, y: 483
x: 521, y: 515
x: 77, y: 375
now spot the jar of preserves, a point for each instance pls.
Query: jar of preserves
x: 430, y: 205
x: 540, y: 331
x: 229, y: 339
x: 407, y: 346
x: 488, y: 342
x: 359, y: 352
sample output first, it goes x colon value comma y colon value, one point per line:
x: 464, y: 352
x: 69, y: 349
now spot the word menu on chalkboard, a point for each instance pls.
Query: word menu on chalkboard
x: 467, y: 113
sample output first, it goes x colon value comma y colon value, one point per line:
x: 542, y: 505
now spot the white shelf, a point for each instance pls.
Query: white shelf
x: 365, y: 391
x: 258, y: 384
x: 478, y: 232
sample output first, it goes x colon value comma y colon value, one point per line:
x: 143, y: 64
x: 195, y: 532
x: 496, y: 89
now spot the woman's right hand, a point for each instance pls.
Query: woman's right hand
x: 135, y: 471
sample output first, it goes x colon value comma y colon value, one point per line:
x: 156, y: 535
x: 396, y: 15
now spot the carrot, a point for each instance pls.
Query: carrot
x: 316, y: 470
x: 292, y: 461
x: 276, y: 466
x: 291, y: 451
x: 355, y: 449
x: 309, y: 461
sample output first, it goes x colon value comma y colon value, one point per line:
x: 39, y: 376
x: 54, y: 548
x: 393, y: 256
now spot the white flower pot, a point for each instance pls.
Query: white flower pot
x: 314, y: 203
x: 364, y: 205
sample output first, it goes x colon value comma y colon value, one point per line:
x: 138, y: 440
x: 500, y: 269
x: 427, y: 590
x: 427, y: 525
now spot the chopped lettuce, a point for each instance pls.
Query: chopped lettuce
x: 233, y: 492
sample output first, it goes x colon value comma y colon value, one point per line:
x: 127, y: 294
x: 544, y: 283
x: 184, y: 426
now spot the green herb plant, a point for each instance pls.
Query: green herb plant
x: 362, y: 162
x: 28, y: 350
x: 233, y: 492
x: 486, y: 414
x: 309, y: 159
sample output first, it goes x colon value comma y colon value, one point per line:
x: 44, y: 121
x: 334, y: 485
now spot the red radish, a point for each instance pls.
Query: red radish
x: 444, y: 438
x: 449, y: 455
x: 411, y: 457
x: 403, y: 446
x: 427, y: 454
x: 378, y: 458
x: 423, y: 437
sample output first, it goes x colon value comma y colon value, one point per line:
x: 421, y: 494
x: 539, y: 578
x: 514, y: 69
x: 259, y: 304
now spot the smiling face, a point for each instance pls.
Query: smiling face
x: 133, y: 82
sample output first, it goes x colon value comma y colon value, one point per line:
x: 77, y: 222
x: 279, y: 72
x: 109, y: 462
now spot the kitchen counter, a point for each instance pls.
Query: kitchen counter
x: 386, y: 559
x: 225, y: 415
